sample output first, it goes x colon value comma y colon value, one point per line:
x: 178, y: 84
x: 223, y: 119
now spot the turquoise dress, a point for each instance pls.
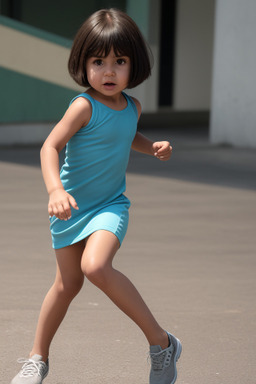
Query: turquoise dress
x: 94, y: 174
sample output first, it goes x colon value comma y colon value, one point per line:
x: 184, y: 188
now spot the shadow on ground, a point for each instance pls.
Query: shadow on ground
x: 194, y: 159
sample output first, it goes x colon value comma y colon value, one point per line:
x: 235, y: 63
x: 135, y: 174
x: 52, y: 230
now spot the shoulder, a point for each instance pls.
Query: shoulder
x: 138, y: 106
x: 80, y: 108
x: 81, y: 101
x: 76, y: 116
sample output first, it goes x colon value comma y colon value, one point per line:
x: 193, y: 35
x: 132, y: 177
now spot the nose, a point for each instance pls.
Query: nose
x: 109, y: 71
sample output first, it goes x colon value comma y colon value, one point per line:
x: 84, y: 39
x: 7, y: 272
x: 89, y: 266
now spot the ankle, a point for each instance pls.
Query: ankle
x: 44, y: 356
x: 165, y: 343
x: 161, y: 339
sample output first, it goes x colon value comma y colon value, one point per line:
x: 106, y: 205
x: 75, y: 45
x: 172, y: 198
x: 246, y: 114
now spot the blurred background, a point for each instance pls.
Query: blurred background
x: 203, y: 73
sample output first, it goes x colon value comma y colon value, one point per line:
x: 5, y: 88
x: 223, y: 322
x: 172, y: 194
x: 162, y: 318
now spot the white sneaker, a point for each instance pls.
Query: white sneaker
x: 33, y: 371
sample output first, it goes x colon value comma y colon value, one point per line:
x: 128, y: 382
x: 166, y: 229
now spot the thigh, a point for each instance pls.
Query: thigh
x: 100, y: 249
x: 69, y: 262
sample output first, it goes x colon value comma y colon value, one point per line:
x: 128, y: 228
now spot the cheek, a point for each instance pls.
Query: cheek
x: 126, y: 75
x: 91, y: 75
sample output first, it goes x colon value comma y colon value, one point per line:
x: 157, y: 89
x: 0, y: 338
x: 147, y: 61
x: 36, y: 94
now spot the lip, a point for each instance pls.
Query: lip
x: 109, y: 85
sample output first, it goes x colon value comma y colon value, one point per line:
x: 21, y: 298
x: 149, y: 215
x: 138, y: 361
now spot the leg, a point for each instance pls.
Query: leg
x: 68, y: 282
x: 96, y: 264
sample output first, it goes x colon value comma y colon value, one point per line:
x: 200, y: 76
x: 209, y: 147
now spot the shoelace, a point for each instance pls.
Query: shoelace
x: 161, y: 359
x: 30, y: 367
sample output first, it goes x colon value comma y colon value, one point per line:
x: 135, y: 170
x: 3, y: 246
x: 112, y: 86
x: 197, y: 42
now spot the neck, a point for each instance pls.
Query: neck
x: 117, y: 101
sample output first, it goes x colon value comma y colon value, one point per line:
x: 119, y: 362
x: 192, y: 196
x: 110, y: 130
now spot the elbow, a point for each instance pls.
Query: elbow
x: 47, y: 148
x: 43, y: 151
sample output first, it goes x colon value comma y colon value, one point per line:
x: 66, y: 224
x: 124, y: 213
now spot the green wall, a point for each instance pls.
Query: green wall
x: 59, y: 17
x: 26, y: 99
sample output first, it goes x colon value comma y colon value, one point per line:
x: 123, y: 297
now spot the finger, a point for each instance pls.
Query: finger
x: 73, y: 202
x: 50, y: 211
x: 165, y: 153
x: 164, y: 157
x: 159, y: 149
x: 55, y: 211
x: 67, y: 210
x: 165, y: 148
x: 58, y: 211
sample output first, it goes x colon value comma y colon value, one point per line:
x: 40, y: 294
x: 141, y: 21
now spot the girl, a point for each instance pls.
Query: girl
x: 88, y: 210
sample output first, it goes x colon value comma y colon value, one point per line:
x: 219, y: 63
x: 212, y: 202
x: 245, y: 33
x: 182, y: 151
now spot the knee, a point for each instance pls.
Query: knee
x: 98, y: 274
x: 69, y: 288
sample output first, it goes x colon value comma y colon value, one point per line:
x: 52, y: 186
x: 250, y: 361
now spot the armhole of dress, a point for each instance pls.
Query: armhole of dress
x: 91, y: 100
x: 130, y: 100
x: 85, y: 96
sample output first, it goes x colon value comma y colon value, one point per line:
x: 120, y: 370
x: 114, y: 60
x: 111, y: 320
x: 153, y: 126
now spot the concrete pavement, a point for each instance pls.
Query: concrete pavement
x: 190, y: 250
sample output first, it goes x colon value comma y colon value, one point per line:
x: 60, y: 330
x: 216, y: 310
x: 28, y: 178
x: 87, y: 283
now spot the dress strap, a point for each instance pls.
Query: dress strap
x: 84, y: 95
x: 131, y: 102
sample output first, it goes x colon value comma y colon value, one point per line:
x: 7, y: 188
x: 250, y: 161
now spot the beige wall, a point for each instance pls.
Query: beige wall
x: 233, y: 112
x: 146, y: 14
x: 35, y: 57
x: 193, y: 54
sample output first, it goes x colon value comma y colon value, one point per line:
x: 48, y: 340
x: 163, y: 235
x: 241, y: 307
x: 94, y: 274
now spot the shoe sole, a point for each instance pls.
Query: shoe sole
x: 177, y: 355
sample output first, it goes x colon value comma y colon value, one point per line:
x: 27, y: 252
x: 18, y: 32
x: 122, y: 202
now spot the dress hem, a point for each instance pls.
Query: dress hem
x: 85, y: 235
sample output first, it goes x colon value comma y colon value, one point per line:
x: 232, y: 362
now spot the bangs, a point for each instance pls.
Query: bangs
x: 102, y: 44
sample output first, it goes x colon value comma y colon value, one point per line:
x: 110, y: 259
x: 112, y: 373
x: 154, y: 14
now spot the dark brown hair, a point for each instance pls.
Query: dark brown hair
x: 102, y: 31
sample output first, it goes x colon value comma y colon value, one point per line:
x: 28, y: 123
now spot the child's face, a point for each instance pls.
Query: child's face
x: 108, y: 75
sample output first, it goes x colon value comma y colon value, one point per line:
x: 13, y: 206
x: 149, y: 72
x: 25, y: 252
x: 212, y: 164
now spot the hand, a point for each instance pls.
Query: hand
x: 59, y: 204
x: 162, y: 150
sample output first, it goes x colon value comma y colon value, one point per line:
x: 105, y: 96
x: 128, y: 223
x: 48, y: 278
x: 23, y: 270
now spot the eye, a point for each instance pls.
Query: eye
x: 121, y: 61
x: 98, y: 62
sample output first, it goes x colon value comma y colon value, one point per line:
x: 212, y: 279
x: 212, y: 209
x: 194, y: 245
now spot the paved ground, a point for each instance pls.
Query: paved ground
x: 190, y: 250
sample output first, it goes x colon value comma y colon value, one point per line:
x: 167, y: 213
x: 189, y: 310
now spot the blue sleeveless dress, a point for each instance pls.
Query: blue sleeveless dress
x: 94, y: 174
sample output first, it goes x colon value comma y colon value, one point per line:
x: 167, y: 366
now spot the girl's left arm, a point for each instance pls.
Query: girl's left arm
x: 162, y: 150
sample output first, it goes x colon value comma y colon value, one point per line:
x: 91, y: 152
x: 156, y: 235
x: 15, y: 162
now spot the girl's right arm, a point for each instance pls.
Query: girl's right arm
x: 76, y: 117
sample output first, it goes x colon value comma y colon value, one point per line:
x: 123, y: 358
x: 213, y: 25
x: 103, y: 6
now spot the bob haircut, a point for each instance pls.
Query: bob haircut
x: 102, y: 31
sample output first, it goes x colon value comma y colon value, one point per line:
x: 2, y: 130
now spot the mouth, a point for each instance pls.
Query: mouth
x: 109, y: 84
